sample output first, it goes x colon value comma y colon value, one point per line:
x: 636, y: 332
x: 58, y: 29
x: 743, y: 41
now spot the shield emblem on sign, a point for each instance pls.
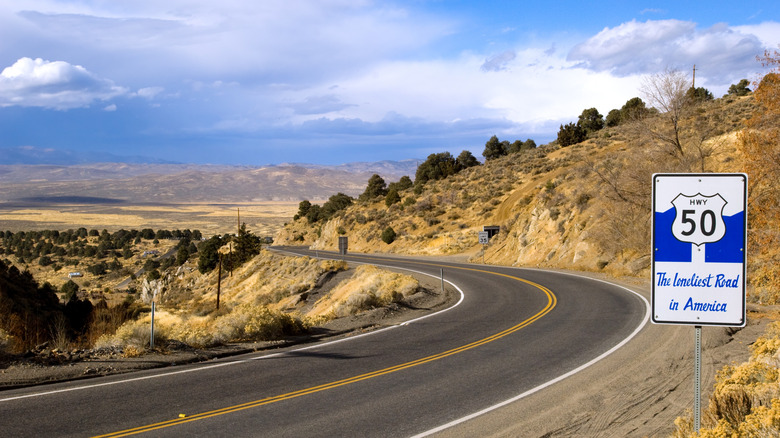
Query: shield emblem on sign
x: 699, y: 218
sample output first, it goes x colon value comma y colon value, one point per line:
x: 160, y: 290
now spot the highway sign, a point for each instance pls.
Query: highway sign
x: 698, y: 254
x: 484, y: 237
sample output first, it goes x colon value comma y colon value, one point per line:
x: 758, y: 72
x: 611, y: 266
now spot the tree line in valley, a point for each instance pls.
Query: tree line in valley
x: 73, y: 247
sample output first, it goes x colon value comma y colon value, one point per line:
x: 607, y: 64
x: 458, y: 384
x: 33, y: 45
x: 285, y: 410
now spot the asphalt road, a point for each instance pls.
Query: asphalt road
x: 514, y: 330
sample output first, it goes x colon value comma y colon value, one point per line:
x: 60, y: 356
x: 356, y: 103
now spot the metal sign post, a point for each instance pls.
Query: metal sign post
x: 697, y: 380
x: 484, y: 238
x: 698, y: 255
x: 343, y: 245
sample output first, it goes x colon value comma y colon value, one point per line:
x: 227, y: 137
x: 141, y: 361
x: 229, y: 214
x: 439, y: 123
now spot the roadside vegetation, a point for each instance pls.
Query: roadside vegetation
x: 745, y: 401
x: 262, y: 296
x: 583, y: 202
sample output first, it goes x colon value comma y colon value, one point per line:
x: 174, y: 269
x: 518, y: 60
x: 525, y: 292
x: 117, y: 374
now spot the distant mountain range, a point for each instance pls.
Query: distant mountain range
x: 182, y: 183
x: 35, y: 156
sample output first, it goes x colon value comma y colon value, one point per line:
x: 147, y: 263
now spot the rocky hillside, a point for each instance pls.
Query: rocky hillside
x: 585, y: 206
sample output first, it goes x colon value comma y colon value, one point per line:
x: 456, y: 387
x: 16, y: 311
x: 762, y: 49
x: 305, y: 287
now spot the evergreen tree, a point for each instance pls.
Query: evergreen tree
x: 247, y: 245
x: 437, y: 166
x: 465, y: 160
x: 633, y: 109
x: 591, y: 120
x: 494, y: 149
x: 571, y: 134
x: 376, y: 187
x: 740, y: 88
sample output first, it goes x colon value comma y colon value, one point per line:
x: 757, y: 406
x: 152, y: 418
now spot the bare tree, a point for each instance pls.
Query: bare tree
x: 666, y: 92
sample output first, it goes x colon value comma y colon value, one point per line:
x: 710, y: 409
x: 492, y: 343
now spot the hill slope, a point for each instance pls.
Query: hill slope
x: 584, y: 207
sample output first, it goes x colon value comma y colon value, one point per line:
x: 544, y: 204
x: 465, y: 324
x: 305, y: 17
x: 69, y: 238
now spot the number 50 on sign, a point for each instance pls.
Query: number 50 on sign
x: 699, y: 237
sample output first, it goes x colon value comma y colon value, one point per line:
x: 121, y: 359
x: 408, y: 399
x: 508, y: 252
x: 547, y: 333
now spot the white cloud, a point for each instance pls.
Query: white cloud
x: 149, y: 92
x: 110, y: 108
x: 533, y: 92
x: 499, y: 62
x: 720, y: 53
x: 273, y: 40
x: 57, y: 84
x: 767, y: 32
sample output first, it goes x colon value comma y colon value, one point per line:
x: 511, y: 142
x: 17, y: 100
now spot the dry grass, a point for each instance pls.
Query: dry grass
x: 245, y: 322
x: 369, y: 288
x: 746, y: 399
x: 263, y: 218
x: 261, y: 301
x: 67, y: 218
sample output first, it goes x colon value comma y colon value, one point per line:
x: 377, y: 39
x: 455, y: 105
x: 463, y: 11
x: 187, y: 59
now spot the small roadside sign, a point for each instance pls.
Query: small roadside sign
x: 699, y: 237
x: 484, y: 237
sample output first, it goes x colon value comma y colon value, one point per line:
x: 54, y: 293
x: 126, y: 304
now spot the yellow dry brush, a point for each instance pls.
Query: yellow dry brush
x: 369, y: 288
x: 253, y: 303
x: 246, y: 322
x: 746, y: 399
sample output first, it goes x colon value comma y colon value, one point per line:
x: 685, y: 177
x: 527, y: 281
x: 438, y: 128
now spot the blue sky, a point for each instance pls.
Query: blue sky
x: 335, y: 81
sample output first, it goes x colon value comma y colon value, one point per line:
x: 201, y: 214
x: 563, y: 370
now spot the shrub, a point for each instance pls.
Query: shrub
x: 392, y: 197
x: 388, y: 235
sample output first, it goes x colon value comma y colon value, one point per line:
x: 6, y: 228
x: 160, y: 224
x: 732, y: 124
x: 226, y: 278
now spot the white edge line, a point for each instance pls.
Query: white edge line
x: 206, y: 367
x: 557, y: 379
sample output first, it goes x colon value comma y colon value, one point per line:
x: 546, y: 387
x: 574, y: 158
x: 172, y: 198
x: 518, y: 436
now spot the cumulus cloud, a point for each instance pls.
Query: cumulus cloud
x: 719, y: 52
x: 53, y: 84
x: 768, y: 32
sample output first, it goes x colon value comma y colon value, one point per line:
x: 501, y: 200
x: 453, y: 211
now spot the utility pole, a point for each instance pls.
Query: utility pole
x: 219, y: 279
x: 693, y: 85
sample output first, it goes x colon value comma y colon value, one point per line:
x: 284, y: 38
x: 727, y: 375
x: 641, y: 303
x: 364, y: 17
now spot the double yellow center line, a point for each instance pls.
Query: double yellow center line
x: 551, y: 302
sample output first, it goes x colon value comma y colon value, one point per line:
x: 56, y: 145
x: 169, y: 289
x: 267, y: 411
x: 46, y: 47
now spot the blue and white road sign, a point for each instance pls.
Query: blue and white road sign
x: 699, y: 243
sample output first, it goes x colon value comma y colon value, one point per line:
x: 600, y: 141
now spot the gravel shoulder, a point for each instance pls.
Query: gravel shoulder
x: 637, y: 391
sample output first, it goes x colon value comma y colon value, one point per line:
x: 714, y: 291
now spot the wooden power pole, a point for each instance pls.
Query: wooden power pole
x: 219, y: 279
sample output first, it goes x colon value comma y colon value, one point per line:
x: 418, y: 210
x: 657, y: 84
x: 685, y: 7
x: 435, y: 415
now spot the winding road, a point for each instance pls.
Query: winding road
x: 513, y: 333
